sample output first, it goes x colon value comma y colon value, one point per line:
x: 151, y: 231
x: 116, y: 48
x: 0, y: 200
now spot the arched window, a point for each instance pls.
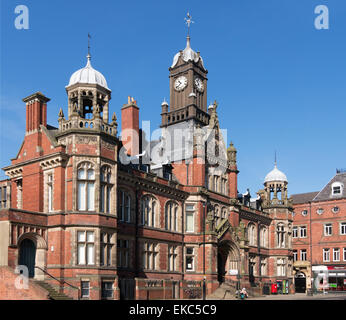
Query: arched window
x: 224, y: 214
x: 86, y: 187
x: 252, y: 234
x: 148, y: 211
x: 171, y: 216
x: 264, y: 237
x: 217, y: 215
x: 106, y: 188
x: 124, y: 206
x: 280, y: 235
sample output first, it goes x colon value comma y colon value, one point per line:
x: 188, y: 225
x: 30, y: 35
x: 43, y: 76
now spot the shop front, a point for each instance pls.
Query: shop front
x: 329, y: 278
x: 337, y: 278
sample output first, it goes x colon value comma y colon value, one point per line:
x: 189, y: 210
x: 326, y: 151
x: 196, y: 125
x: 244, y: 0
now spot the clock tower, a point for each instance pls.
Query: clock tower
x: 188, y: 88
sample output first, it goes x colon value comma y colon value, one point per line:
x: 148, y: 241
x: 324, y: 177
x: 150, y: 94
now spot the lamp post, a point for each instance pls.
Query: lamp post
x: 204, y: 287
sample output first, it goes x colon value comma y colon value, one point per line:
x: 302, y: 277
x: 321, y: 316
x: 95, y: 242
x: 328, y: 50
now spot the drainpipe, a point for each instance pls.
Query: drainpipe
x: 310, y: 232
x: 136, y: 235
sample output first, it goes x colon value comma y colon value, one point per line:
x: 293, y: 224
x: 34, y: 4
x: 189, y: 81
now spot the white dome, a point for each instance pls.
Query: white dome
x: 88, y: 75
x: 187, y: 54
x: 275, y: 175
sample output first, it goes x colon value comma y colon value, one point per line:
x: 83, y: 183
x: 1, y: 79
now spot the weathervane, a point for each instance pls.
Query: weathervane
x: 188, y: 21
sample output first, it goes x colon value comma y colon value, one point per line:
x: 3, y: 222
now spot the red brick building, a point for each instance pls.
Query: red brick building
x: 99, y: 214
x: 319, y: 237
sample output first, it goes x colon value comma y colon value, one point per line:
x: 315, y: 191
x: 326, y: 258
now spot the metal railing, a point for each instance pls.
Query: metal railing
x: 61, y: 282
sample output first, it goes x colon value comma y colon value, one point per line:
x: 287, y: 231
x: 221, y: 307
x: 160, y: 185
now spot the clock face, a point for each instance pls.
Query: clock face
x: 199, y: 84
x: 180, y: 83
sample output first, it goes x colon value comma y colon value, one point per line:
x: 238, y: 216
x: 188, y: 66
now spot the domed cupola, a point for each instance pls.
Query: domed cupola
x: 275, y: 186
x: 275, y: 175
x: 88, y: 75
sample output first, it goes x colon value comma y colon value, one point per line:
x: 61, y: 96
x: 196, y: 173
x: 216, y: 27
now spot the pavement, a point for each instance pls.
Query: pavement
x: 303, y: 296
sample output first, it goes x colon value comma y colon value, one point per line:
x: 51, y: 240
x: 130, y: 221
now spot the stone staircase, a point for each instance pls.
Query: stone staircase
x: 52, y: 293
x: 223, y: 292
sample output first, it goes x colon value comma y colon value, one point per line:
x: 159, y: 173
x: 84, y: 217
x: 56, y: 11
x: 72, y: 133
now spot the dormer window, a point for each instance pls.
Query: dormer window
x: 337, y: 188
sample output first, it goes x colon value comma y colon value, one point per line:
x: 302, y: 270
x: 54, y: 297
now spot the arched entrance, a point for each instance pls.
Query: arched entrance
x: 32, y: 252
x: 300, y: 282
x: 27, y: 256
x: 228, y: 258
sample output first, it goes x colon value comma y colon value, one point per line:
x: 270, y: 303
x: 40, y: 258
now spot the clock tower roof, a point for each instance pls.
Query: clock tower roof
x: 188, y: 54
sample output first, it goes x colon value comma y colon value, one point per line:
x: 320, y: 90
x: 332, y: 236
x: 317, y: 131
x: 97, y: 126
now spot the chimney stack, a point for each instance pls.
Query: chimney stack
x: 130, y: 126
x: 36, y: 111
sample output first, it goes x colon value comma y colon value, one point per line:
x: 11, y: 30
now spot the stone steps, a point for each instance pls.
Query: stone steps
x: 53, y: 294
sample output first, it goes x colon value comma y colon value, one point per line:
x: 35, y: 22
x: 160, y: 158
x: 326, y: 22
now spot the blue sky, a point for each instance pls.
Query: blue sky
x: 279, y: 81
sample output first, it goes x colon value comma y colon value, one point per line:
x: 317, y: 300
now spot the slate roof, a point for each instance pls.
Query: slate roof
x: 303, y: 197
x: 325, y: 193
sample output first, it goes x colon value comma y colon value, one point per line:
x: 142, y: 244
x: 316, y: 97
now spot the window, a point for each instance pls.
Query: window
x: 336, y: 254
x: 150, y: 253
x: 217, y: 215
x: 295, y: 255
x: 280, y: 236
x: 263, y: 238
x: 106, y: 188
x: 281, y: 267
x: 106, y: 245
x: 124, y: 206
x: 189, y: 259
x: 252, y: 235
x: 328, y: 229
x: 171, y: 216
x: 303, y: 232
x: 304, y: 213
x: 86, y: 187
x: 106, y: 290
x: 190, y: 218
x: 172, y: 258
x: 295, y: 232
x: 335, y: 209
x: 50, y: 192
x: 320, y: 211
x: 263, y: 266
x: 85, y: 248
x: 337, y: 188
x: 326, y: 255
x: 148, y: 211
x: 343, y: 228
x: 85, y: 289
x: 123, y: 253
x: 344, y: 254
x: 303, y: 255
x: 19, y: 183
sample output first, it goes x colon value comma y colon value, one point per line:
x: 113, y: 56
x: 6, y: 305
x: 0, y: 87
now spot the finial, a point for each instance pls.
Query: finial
x: 188, y: 21
x: 61, y: 113
x: 89, y: 56
x: 275, y: 160
x: 114, y: 118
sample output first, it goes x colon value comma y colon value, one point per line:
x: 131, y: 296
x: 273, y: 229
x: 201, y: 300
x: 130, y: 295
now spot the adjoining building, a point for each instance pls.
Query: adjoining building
x: 102, y: 215
x: 319, y: 237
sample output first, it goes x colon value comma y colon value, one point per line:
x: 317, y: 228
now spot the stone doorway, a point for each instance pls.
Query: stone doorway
x: 27, y: 256
x: 300, y: 282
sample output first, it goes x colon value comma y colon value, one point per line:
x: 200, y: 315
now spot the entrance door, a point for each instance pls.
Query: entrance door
x: 27, y: 254
x: 300, y: 282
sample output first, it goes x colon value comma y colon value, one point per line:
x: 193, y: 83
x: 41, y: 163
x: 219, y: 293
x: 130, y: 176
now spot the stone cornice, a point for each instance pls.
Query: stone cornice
x: 15, y: 172
x: 153, y: 186
x: 54, y: 161
x: 254, y: 217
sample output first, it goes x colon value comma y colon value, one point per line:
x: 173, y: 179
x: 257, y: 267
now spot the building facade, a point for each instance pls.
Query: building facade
x: 319, y: 237
x: 100, y: 214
